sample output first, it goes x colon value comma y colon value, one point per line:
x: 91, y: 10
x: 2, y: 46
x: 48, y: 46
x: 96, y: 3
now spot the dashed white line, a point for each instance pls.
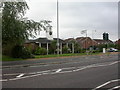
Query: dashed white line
x: 20, y: 75
x: 3, y: 80
x: 25, y: 77
x: 58, y: 70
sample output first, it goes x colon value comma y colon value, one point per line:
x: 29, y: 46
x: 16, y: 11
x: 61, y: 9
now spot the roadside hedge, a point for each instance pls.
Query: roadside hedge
x: 40, y: 51
x: 21, y: 52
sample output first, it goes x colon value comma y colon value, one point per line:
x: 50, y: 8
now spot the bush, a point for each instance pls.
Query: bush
x: 40, y: 51
x: 21, y: 52
x: 66, y: 49
x: 82, y: 50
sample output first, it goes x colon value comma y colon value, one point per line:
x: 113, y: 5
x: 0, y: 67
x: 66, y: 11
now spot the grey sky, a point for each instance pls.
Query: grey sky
x: 77, y: 16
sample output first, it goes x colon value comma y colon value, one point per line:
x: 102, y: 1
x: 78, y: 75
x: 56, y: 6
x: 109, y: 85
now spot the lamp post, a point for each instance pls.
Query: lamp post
x: 86, y: 42
x: 85, y: 32
x: 57, y: 29
x: 93, y: 37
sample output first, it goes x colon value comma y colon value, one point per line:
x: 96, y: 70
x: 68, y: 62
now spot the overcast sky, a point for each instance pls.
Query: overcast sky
x: 76, y: 16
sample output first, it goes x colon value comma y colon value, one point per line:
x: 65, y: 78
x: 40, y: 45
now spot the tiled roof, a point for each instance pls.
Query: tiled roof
x: 69, y: 40
x: 82, y: 39
x: 103, y: 41
x: 118, y: 41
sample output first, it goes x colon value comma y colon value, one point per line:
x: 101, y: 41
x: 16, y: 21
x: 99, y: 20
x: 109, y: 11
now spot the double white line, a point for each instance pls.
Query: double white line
x: 98, y: 87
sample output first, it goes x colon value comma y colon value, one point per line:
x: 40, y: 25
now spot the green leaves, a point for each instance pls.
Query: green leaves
x: 15, y: 27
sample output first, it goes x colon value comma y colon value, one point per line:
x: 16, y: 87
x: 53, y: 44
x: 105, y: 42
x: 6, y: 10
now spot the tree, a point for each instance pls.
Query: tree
x: 65, y: 49
x: 77, y: 47
x: 15, y: 27
x: 53, y: 46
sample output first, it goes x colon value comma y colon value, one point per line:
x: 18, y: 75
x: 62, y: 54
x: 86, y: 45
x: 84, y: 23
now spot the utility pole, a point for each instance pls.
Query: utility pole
x: 57, y: 29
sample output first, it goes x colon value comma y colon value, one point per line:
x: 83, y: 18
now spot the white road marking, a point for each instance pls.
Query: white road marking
x: 116, y: 87
x: 69, y: 68
x: 3, y: 80
x: 65, y: 72
x: 20, y: 75
x: 25, y: 77
x: 80, y: 69
x: 11, y: 74
x: 106, y: 84
x: 58, y: 70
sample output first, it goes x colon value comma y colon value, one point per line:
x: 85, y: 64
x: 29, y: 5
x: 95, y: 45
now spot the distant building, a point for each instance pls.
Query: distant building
x: 105, y: 39
x: 86, y: 42
x: 101, y: 41
x: 117, y: 42
x: 42, y: 42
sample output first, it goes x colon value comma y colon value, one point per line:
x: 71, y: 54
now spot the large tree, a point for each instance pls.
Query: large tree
x: 15, y: 27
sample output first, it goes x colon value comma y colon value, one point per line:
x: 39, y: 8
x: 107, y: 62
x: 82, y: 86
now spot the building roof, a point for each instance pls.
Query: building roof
x: 60, y: 40
x: 103, y: 41
x: 43, y: 40
x: 82, y: 39
x: 118, y: 41
x: 69, y: 40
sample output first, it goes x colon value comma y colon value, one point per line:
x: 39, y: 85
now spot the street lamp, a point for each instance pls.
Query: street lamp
x: 57, y: 29
x: 85, y: 32
x: 93, y: 37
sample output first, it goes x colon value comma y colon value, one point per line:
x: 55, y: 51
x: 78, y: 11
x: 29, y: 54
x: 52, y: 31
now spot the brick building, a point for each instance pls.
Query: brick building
x: 86, y: 42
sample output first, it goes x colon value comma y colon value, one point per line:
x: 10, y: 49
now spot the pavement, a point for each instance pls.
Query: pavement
x: 93, y: 72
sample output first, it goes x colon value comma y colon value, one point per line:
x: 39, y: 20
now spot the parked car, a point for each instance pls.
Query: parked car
x: 113, y: 50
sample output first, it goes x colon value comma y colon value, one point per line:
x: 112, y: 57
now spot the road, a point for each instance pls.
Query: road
x: 92, y: 72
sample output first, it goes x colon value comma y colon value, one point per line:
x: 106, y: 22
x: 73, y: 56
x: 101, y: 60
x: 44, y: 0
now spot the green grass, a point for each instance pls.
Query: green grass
x: 7, y: 58
x: 62, y: 55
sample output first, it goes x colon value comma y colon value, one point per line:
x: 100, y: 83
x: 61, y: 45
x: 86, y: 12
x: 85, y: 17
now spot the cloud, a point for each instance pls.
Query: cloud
x: 76, y: 16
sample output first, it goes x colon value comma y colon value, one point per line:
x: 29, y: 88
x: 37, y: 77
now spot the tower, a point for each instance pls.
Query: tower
x: 105, y: 36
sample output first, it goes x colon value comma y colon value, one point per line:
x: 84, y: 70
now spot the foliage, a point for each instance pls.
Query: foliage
x: 15, y: 27
x: 21, y: 52
x: 66, y: 49
x: 77, y: 48
x: 40, y: 51
x: 100, y: 47
x: 118, y: 46
x: 82, y: 50
x: 53, y: 47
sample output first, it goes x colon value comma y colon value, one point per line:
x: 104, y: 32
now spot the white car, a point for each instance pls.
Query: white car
x: 113, y: 50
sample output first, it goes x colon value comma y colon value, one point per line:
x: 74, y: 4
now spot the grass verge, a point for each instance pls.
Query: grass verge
x: 7, y: 58
x: 62, y: 55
